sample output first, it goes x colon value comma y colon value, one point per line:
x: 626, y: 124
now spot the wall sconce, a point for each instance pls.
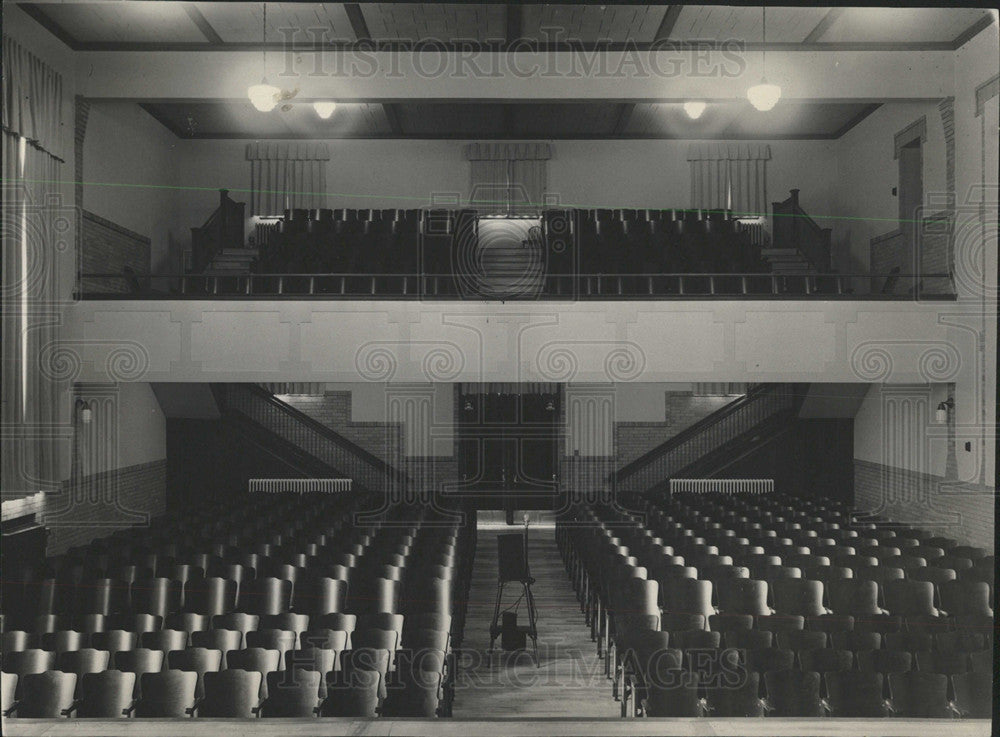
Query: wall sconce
x: 941, y: 415
x: 84, y: 411
x: 550, y: 406
x: 468, y: 405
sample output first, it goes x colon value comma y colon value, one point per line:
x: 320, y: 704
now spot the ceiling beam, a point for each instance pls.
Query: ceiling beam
x: 865, y: 112
x: 358, y: 23
x: 668, y: 22
x: 43, y: 19
x: 974, y: 30
x: 824, y: 25
x: 392, y: 117
x: 623, y: 119
x: 204, y: 26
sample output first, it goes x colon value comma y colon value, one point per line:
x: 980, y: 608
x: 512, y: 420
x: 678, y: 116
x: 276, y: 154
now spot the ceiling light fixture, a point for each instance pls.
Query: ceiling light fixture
x: 694, y: 109
x: 324, y: 109
x: 764, y: 96
x: 263, y: 96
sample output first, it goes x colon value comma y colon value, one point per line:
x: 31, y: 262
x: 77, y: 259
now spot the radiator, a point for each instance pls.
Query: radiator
x: 722, y: 486
x: 299, y: 486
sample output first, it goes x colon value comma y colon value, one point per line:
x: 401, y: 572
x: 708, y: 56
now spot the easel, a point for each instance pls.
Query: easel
x: 513, y: 568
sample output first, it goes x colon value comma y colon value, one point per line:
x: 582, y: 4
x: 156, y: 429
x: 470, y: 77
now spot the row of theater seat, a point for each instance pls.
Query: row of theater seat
x: 674, y: 584
x: 571, y: 242
x: 342, y: 594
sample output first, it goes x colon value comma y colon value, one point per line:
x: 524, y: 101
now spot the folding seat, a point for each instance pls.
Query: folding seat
x: 165, y: 640
x: 90, y: 623
x: 673, y: 693
x: 267, y: 595
x: 748, y: 639
x: 417, y: 688
x: 959, y: 641
x: 826, y: 574
x: 738, y: 700
x: 930, y: 553
x: 825, y: 660
x: 139, y: 661
x: 293, y: 693
x: 168, y: 694
x: 335, y: 640
x: 28, y: 661
x: 912, y: 641
x: 187, y: 622
x: 966, y: 598
x: 213, y: 596
x: 417, y: 640
x: 764, y: 660
x: 137, y: 623
x: 881, y: 623
x: 157, y: 596
x: 974, y: 694
x: 919, y: 695
x: 798, y: 596
x: 357, y: 696
x: 935, y: 575
x: 198, y: 660
x: 45, y: 695
x: 370, y: 596
x: 743, y: 596
x: 853, y: 694
x: 221, y: 640
x: 885, y: 661
x: 981, y: 660
x: 799, y: 640
x: 106, y: 695
x: 287, y: 621
x: 695, y: 640
x: 86, y: 660
x: 325, y: 595
x: 968, y: 551
x: 62, y: 641
x: 8, y: 687
x: 680, y: 621
x: 879, y: 574
x: 376, y: 639
x: 102, y: 596
x: 779, y: 622
x: 231, y: 694
x: 793, y: 693
x: 272, y: 639
x: 776, y: 573
x: 854, y: 597
x: 426, y: 621
x: 15, y: 641
x: 910, y: 598
x: 948, y: 663
x: 357, y: 659
x: 906, y: 562
x: 945, y: 543
x: 856, y: 641
x: 688, y: 596
x: 239, y: 621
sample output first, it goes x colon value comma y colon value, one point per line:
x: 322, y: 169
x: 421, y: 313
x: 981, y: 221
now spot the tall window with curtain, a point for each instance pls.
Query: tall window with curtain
x: 34, y: 221
x: 287, y: 176
x: 730, y: 176
x: 508, y: 178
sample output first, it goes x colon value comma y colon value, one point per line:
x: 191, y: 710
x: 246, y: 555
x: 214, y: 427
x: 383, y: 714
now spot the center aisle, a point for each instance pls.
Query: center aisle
x: 570, y: 680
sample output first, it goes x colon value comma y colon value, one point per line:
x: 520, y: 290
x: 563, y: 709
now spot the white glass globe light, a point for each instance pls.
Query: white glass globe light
x: 764, y: 96
x: 324, y: 109
x: 263, y: 96
x: 694, y: 109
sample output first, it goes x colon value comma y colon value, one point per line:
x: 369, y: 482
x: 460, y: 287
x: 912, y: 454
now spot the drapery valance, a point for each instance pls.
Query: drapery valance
x: 32, y: 98
x: 508, y: 151
x: 729, y: 176
x: 287, y: 175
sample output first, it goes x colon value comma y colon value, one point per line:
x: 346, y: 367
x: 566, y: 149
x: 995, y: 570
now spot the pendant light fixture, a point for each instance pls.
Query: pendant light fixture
x: 764, y: 96
x: 694, y: 109
x: 263, y: 96
x: 324, y: 109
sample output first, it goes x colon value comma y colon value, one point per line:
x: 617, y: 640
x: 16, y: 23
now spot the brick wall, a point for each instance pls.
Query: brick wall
x: 951, y: 508
x: 333, y: 409
x: 633, y: 439
x: 106, y: 248
x: 97, y: 505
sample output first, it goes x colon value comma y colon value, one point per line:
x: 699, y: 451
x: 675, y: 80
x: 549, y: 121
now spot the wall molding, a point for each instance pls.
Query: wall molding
x: 985, y: 92
x: 914, y: 131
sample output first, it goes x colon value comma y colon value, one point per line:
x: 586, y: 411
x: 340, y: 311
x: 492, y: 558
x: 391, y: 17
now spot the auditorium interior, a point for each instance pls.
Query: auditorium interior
x: 514, y: 368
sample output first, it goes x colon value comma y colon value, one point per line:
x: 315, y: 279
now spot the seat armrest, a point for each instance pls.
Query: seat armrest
x: 11, y: 709
x: 257, y: 709
x: 71, y: 708
x: 197, y: 702
x: 127, y: 711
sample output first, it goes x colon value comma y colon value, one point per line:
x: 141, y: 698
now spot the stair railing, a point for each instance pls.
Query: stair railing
x: 655, y: 468
x: 256, y: 405
x: 223, y: 229
x: 791, y: 227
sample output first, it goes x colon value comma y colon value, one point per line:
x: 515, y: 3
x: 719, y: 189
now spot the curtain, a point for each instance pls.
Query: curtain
x: 508, y: 178
x: 286, y: 176
x: 34, y: 220
x: 729, y: 176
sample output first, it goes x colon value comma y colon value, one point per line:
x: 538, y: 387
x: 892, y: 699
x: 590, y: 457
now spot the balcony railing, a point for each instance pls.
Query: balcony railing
x: 558, y: 287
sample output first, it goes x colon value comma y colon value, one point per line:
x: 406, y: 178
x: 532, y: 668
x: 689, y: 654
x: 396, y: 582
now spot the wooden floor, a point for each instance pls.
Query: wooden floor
x: 569, y: 679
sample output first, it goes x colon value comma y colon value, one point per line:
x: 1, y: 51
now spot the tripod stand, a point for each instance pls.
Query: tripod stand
x: 513, y: 568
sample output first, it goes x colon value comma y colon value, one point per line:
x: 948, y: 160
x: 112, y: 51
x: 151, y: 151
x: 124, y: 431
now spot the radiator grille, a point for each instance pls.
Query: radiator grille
x: 299, y: 486
x: 722, y: 486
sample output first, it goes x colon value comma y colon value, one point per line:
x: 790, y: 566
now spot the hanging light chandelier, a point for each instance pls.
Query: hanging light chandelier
x: 764, y: 96
x: 263, y: 96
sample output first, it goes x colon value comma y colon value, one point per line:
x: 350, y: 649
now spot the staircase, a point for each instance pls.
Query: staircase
x: 232, y: 262
x: 218, y: 247
x: 719, y: 440
x: 798, y: 244
x: 308, y: 445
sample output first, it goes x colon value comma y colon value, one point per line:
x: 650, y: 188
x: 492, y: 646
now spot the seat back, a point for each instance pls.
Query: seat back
x: 168, y: 694
x: 794, y: 693
x: 46, y: 695
x: 106, y: 695
x: 292, y: 693
x: 231, y: 694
